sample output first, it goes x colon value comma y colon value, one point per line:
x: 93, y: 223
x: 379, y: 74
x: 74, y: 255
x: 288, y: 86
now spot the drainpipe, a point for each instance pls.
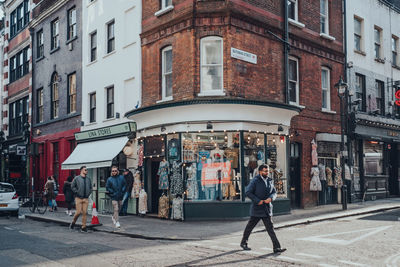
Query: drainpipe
x: 286, y: 50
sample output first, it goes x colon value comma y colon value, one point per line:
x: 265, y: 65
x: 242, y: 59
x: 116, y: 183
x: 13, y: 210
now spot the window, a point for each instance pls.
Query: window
x: 380, y: 96
x: 110, y: 37
x: 71, y: 23
x: 326, y: 90
x: 211, y: 65
x: 55, y: 40
x: 71, y: 93
x: 39, y: 44
x: 357, y: 34
x: 292, y: 9
x: 56, y: 159
x: 18, y: 116
x: 360, y: 91
x: 19, y: 64
x: 394, y: 50
x: 19, y: 18
x: 93, y: 46
x: 324, y: 20
x: 373, y: 158
x: 166, y: 3
x: 377, y: 40
x: 40, y: 109
x: 54, y: 96
x: 110, y: 102
x: 293, y: 81
x: 167, y: 73
x: 92, y: 106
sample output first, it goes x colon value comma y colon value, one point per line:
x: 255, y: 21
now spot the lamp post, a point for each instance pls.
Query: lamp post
x: 342, y: 93
x: 2, y: 139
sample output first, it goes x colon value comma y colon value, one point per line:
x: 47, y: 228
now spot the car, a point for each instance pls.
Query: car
x: 8, y: 199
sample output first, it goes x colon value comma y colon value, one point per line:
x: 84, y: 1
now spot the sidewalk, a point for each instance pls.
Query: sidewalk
x: 154, y: 228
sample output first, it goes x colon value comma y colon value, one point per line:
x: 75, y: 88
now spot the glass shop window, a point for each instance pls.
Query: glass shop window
x: 373, y: 158
x: 276, y: 159
x: 254, y: 154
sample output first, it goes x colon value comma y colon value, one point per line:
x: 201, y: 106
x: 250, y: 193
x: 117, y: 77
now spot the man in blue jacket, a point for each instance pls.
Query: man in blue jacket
x: 115, y: 187
x: 262, y: 192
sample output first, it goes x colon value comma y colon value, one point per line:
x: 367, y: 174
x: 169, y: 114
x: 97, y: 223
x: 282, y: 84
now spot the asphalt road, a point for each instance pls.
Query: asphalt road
x: 368, y: 240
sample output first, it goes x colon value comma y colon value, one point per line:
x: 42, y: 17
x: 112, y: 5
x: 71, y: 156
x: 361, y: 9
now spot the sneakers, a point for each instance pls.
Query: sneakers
x: 117, y: 225
x: 244, y: 246
x: 72, y: 225
x: 66, y: 212
x: 279, y: 250
x: 70, y: 213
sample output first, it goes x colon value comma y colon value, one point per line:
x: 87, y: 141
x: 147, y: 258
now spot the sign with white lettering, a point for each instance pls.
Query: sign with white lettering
x: 243, y: 55
x: 106, y: 131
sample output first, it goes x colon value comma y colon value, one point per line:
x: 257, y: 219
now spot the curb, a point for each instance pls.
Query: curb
x: 277, y: 226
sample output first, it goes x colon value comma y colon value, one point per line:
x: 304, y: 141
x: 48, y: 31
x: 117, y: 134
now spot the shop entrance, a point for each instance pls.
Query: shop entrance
x: 152, y: 190
x: 295, y: 184
x: 394, y: 164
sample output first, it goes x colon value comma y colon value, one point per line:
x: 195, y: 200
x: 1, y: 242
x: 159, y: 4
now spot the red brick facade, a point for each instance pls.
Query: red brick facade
x: 247, y: 25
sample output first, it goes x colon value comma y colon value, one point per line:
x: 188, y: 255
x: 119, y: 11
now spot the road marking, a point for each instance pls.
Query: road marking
x: 392, y: 260
x: 352, y: 263
x: 252, y: 252
x: 8, y: 228
x: 289, y: 258
x: 310, y: 255
x: 269, y: 249
x: 327, y: 265
x: 324, y: 239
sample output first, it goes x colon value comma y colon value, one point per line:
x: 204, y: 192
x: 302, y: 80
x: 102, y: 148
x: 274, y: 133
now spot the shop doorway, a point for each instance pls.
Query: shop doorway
x: 394, y: 164
x: 295, y: 183
x: 152, y: 190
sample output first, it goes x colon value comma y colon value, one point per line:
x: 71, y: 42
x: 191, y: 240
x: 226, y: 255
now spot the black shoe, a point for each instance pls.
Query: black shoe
x: 72, y: 225
x: 279, y: 250
x: 55, y: 208
x: 84, y: 229
x: 244, y: 246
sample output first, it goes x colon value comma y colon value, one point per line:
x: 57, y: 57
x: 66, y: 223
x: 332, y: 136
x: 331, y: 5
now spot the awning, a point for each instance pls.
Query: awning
x: 95, y: 154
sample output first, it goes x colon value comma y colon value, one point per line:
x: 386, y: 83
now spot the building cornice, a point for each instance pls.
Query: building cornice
x: 36, y: 21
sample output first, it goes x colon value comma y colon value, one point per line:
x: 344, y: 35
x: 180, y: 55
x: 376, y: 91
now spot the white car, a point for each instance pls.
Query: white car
x: 8, y: 198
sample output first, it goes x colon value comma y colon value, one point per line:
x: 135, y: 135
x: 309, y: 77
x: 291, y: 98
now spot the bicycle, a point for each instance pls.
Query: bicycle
x: 39, y: 203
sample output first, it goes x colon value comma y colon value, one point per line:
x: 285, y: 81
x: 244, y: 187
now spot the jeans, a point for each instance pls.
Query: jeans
x: 125, y: 200
x: 52, y: 203
x: 268, y: 226
x: 116, y: 205
x: 210, y: 193
x: 81, y: 208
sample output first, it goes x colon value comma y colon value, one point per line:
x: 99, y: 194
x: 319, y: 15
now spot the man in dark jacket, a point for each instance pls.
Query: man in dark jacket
x: 115, y: 187
x: 82, y: 188
x: 129, y: 184
x: 262, y: 192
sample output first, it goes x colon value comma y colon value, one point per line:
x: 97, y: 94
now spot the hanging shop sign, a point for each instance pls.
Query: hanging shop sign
x: 21, y: 150
x: 243, y: 55
x: 397, y: 95
x: 118, y: 129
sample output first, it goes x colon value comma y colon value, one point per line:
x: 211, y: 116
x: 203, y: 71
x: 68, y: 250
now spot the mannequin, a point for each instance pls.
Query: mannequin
x: 315, y: 184
x: 246, y: 170
x: 209, y: 181
x: 255, y: 172
x: 314, y: 154
x: 217, y: 155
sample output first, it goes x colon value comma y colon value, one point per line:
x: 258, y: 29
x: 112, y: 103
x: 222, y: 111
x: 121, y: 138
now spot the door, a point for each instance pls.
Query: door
x: 394, y: 160
x: 152, y: 190
x: 294, y: 168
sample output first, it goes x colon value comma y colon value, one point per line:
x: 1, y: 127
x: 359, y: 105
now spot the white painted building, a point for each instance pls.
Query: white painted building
x: 373, y: 75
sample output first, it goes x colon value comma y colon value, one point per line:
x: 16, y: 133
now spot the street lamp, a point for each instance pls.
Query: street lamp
x: 342, y: 93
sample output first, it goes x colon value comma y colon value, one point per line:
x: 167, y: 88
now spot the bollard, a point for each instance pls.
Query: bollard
x: 344, y: 197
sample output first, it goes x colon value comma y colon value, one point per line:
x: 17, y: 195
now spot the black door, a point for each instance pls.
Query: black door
x: 394, y: 160
x: 295, y: 183
x: 152, y: 186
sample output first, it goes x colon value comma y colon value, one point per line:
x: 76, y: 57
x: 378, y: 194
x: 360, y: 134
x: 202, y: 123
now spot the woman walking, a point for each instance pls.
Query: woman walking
x: 49, y: 188
x: 69, y: 195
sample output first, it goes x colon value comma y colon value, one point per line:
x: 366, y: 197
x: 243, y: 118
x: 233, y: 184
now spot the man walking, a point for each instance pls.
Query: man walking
x: 82, y: 188
x: 115, y: 186
x: 262, y: 192
x: 129, y: 184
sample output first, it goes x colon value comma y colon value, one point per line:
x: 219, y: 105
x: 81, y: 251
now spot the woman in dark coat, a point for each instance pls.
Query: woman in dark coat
x: 49, y: 188
x: 69, y: 195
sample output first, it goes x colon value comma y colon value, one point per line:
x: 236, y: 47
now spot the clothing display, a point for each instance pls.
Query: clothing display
x: 191, y: 183
x: 315, y: 184
x: 329, y: 180
x: 347, y: 174
x: 322, y: 174
x: 232, y: 154
x: 177, y: 186
x: 163, y: 171
x: 173, y: 150
x: 163, y: 207
x: 177, y: 209
x: 338, y: 177
x: 278, y: 181
x: 137, y: 182
x: 140, y: 153
x: 314, y: 154
x: 142, y: 202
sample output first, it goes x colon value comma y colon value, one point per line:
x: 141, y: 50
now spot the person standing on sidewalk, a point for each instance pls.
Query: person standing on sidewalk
x: 262, y: 192
x: 82, y: 188
x: 115, y: 187
x: 49, y: 189
x: 69, y: 195
x: 54, y: 178
x: 128, y: 190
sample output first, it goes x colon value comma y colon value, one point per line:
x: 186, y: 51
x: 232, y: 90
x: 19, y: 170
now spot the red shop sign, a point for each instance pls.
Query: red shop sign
x: 397, y: 95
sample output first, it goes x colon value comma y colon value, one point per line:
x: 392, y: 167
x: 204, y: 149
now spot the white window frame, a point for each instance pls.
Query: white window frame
x: 395, y: 50
x: 360, y: 35
x: 164, y: 4
x: 325, y: 16
x: 297, y: 103
x: 164, y: 73
x: 380, y: 52
x: 327, y: 89
x: 211, y: 92
x: 296, y: 9
x: 165, y: 8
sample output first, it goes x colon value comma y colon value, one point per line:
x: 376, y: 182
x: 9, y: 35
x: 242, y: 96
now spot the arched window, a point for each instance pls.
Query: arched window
x: 211, y: 65
x: 54, y: 96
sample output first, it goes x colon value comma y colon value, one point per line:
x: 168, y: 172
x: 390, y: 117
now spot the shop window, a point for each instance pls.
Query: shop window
x: 211, y: 66
x: 211, y: 166
x: 276, y: 159
x: 56, y: 159
x: 103, y: 174
x: 373, y: 158
x: 167, y: 73
x: 254, y: 155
